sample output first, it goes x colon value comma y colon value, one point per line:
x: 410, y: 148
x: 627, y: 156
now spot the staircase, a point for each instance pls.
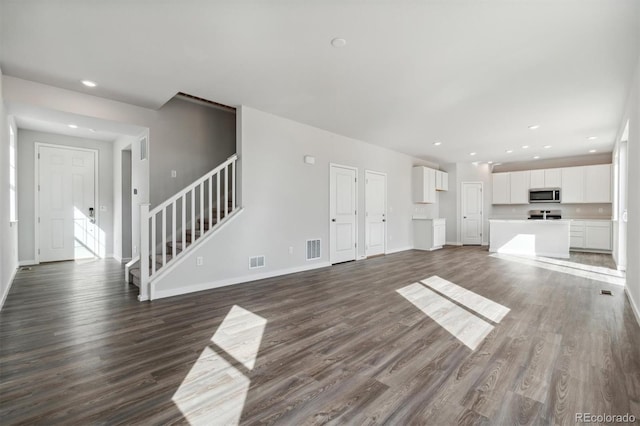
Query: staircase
x: 172, y: 229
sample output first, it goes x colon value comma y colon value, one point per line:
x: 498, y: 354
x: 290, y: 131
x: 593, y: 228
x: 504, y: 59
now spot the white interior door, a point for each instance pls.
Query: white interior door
x: 343, y: 214
x: 66, y: 204
x: 472, y: 213
x: 375, y: 199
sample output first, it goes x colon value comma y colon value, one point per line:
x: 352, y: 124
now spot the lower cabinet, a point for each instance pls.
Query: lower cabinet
x: 591, y: 235
x: 429, y: 234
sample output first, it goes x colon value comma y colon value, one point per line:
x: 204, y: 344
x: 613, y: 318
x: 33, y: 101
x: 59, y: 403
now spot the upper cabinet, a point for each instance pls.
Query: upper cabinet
x: 511, y: 188
x: 426, y: 182
x: 501, y: 188
x: 519, y: 187
x: 442, y: 181
x: 597, y: 181
x: 546, y: 178
x: 583, y: 184
x: 572, y: 185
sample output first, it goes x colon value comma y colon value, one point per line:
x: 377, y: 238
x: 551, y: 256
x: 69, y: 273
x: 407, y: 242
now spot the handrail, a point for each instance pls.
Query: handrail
x: 165, y: 231
x: 191, y: 186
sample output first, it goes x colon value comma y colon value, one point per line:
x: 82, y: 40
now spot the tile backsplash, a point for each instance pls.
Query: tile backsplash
x: 569, y: 211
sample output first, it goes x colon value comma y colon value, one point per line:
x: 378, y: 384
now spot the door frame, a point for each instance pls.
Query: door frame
x: 460, y: 217
x: 36, y: 192
x: 356, y: 204
x: 366, y: 227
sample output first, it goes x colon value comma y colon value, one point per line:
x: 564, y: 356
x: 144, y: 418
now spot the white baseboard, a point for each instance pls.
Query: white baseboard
x: 398, y: 250
x: 27, y: 262
x: 160, y: 294
x: 6, y: 292
x: 634, y: 307
x: 451, y: 243
x: 117, y: 258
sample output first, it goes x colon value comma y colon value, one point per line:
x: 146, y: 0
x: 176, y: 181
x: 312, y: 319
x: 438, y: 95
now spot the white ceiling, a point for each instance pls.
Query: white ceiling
x: 470, y: 73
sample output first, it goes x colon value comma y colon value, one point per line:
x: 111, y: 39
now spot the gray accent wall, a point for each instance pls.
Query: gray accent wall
x: 286, y: 202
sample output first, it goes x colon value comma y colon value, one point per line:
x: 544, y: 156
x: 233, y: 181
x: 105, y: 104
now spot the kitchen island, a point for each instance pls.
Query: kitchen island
x: 549, y: 238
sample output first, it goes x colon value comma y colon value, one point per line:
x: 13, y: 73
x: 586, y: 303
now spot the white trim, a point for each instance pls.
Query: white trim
x: 6, y: 292
x: 634, y: 307
x: 160, y: 294
x: 357, y: 209
x: 27, y: 262
x: 36, y: 164
x: 366, y: 233
x: 452, y: 243
x: 398, y: 250
x: 181, y: 258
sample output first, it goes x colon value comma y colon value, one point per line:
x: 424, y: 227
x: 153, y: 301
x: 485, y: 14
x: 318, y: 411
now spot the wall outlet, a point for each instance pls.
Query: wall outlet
x: 199, y: 261
x: 135, y: 249
x: 174, y: 173
x: 290, y: 250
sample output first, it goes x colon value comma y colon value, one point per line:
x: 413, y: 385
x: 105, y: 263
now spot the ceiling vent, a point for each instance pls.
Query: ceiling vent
x: 313, y: 249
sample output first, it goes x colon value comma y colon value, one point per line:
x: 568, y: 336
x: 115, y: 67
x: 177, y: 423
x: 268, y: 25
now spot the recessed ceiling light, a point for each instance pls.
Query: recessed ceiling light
x: 73, y: 126
x: 592, y: 138
x: 534, y: 126
x: 547, y: 146
x: 437, y: 143
x: 592, y: 151
x: 525, y: 146
x: 338, y: 42
x: 472, y: 153
x: 89, y: 83
x: 509, y: 151
x: 535, y: 157
x: 92, y: 130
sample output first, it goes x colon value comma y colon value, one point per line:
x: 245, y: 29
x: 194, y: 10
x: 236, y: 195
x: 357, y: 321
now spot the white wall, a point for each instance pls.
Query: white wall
x: 8, y: 231
x: 632, y: 113
x: 26, y: 194
x: 286, y: 202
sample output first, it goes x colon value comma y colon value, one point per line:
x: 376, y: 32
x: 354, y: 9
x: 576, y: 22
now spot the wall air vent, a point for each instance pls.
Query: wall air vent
x: 313, y: 249
x: 256, y: 262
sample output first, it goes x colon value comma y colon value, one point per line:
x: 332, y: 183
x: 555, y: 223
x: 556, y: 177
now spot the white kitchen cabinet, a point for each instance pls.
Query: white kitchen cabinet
x: 501, y: 188
x: 519, y: 187
x: 597, y: 181
x: 591, y: 234
x: 442, y: 181
x: 597, y: 234
x: 573, y: 185
x: 424, y: 185
x: 546, y: 178
x: 429, y: 234
x: 553, y: 178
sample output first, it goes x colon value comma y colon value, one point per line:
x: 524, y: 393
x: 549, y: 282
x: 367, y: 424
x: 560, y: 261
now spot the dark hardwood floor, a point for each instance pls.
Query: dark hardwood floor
x: 336, y: 345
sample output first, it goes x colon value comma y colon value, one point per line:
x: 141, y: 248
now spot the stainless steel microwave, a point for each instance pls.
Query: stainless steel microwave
x: 546, y: 195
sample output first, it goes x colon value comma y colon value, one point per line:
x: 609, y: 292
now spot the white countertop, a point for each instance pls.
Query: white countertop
x: 533, y: 220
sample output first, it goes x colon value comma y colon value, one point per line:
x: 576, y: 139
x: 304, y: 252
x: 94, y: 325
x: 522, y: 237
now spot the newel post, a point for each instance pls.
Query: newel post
x: 144, y: 252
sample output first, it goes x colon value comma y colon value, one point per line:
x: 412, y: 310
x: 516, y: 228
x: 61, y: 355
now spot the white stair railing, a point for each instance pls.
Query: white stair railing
x: 203, y: 197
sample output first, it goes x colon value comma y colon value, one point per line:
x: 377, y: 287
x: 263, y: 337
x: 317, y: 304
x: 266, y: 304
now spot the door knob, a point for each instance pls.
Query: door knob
x: 92, y: 216
x: 384, y: 220
x: 333, y: 220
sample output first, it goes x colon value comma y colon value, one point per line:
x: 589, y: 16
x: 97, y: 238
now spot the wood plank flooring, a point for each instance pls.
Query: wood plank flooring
x: 338, y: 345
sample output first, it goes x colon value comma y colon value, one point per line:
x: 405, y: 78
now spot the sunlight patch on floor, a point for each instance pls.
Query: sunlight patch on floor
x: 462, y: 324
x: 214, y: 391
x: 598, y: 273
x: 479, y: 304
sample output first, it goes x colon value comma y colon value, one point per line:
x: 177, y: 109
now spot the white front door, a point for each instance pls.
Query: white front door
x: 66, y: 204
x: 472, y: 213
x: 343, y: 214
x: 375, y: 199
